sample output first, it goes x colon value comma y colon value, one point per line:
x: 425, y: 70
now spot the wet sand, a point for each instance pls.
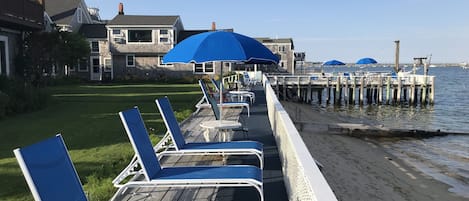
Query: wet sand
x: 359, y: 168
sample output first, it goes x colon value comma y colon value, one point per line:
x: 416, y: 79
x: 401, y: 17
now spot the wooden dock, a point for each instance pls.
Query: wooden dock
x: 259, y: 130
x: 346, y: 88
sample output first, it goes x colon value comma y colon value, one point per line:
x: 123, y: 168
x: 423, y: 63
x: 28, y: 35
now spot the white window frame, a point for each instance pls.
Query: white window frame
x: 114, y: 34
x: 167, y: 35
x: 152, y: 36
x: 79, y: 66
x: 92, y: 58
x: 7, y: 56
x: 79, y: 14
x: 91, y: 46
x: 161, y: 64
x: 127, y: 60
x: 203, y: 68
x: 107, y: 61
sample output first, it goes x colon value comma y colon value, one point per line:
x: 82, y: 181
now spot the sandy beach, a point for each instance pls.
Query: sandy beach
x: 360, y: 168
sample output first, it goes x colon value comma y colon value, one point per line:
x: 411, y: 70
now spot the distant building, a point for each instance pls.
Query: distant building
x: 16, y: 18
x: 99, y: 65
x: 138, y: 43
x: 284, y: 49
x: 69, y: 15
x: 132, y: 46
x: 300, y: 59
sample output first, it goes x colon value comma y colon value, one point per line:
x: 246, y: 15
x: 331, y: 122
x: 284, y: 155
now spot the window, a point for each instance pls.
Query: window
x: 164, y: 36
x: 281, y: 48
x: 79, y: 15
x: 107, y: 65
x: 83, y: 65
x: 198, y: 68
x: 163, y: 32
x: 94, y: 46
x: 130, y: 60
x: 116, y: 32
x: 162, y: 64
x: 140, y: 36
x: 203, y: 68
x: 209, y: 67
x: 164, y: 40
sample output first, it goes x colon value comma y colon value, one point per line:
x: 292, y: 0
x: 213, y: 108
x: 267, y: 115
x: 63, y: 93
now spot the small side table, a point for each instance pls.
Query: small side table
x: 223, y: 126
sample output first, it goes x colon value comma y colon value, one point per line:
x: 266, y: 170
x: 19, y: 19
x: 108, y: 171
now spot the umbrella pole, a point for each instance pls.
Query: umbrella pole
x: 221, y: 91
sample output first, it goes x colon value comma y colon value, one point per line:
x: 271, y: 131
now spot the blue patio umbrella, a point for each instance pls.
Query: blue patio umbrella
x: 220, y: 46
x: 333, y: 63
x: 366, y: 60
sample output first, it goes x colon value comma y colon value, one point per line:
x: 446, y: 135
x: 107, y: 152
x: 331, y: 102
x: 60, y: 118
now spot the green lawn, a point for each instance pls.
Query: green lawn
x: 86, y: 116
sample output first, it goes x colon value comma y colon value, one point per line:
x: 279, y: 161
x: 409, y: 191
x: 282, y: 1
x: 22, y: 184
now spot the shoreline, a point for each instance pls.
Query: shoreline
x: 360, y: 168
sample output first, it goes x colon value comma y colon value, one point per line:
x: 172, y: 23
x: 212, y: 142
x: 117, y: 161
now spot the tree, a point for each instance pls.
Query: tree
x: 45, y: 53
x: 72, y: 48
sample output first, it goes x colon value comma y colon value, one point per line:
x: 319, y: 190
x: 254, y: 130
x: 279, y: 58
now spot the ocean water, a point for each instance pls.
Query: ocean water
x: 444, y: 158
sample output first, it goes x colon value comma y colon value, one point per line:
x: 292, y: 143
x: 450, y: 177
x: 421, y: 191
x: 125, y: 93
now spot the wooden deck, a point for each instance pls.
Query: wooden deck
x: 259, y: 130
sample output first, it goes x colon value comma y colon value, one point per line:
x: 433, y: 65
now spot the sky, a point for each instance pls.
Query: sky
x: 328, y: 29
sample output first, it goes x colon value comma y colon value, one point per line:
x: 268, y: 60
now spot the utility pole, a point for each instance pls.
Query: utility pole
x: 396, y: 67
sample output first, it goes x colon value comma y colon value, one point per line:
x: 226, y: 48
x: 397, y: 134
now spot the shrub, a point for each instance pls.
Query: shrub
x: 20, y: 97
x: 3, y: 104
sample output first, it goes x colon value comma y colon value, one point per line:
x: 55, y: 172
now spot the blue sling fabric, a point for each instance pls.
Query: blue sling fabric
x: 51, y: 171
x: 140, y: 140
x: 171, y: 122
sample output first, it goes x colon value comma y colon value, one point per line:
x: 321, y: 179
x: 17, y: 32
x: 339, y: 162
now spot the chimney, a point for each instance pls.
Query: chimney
x: 214, y: 26
x: 121, y: 9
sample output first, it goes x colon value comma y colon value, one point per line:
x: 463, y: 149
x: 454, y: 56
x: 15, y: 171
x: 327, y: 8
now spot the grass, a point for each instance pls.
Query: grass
x: 86, y: 116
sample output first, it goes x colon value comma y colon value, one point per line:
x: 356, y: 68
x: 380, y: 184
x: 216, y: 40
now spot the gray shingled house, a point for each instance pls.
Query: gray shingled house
x: 138, y: 43
x: 69, y: 15
x: 17, y: 17
x: 99, y: 65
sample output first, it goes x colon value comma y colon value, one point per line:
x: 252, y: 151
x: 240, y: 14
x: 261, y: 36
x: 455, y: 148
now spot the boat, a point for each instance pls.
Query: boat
x: 464, y: 65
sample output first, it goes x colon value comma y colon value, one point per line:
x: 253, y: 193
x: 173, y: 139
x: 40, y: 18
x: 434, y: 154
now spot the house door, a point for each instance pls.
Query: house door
x: 96, y: 71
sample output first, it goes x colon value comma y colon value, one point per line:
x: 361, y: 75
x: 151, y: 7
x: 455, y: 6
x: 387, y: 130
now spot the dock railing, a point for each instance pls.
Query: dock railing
x: 380, y: 88
x: 302, y: 177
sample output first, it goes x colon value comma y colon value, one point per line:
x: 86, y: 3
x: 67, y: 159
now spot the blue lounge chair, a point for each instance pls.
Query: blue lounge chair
x: 49, y: 172
x: 240, y: 95
x: 206, y: 98
x: 195, y: 176
x: 204, y: 148
x: 216, y: 112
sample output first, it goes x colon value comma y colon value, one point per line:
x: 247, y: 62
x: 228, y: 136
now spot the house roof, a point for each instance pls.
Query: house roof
x: 277, y: 40
x: 187, y: 33
x: 93, y: 30
x: 143, y: 20
x: 61, y: 11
